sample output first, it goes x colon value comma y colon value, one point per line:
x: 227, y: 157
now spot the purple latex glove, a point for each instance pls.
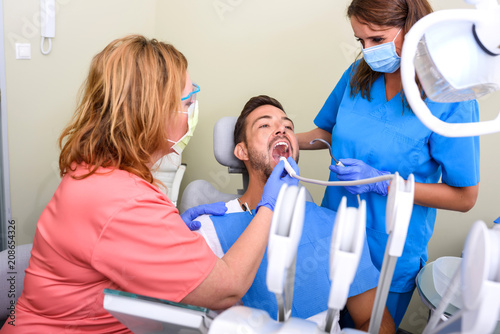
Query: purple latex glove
x: 278, y: 177
x: 355, y: 169
x: 216, y: 209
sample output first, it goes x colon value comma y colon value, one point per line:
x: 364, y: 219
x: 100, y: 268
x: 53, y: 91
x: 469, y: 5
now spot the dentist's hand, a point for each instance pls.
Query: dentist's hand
x: 216, y: 209
x: 355, y: 170
x: 278, y: 177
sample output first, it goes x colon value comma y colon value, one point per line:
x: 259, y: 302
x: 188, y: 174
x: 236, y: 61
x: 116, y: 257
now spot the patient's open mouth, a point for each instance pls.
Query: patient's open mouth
x: 280, y: 149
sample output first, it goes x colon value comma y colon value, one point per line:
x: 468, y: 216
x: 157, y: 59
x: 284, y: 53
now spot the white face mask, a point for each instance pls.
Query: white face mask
x: 181, y: 144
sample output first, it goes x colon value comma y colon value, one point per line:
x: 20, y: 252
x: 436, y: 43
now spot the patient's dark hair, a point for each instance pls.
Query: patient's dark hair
x: 251, y: 105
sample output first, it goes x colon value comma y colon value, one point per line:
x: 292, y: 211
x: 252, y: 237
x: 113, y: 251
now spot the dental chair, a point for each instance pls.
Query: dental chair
x: 203, y: 192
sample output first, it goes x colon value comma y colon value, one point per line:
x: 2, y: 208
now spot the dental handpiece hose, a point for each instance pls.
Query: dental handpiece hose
x: 292, y: 173
x: 339, y: 163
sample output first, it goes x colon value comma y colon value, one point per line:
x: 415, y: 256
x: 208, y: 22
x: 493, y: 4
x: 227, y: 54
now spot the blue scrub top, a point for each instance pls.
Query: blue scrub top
x: 312, y: 282
x: 389, y: 138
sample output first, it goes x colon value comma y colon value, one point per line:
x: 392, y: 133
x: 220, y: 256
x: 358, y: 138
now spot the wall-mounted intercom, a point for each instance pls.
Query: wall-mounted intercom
x: 47, y: 24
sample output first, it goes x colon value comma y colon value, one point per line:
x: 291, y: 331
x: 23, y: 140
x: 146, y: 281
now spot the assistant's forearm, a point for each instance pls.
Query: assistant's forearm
x: 305, y: 138
x: 443, y: 196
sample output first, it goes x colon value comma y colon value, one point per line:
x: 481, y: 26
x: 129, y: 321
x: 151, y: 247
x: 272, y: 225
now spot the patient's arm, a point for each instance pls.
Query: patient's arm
x: 360, y: 309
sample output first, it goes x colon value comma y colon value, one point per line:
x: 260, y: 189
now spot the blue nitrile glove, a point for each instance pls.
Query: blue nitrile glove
x: 216, y: 209
x: 278, y: 177
x: 355, y: 169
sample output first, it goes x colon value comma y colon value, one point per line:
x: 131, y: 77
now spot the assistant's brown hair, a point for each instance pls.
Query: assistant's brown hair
x: 393, y: 13
x: 251, y: 105
x: 132, y: 92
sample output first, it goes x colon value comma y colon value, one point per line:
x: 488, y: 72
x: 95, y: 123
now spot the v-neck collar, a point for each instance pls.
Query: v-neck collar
x: 385, y: 90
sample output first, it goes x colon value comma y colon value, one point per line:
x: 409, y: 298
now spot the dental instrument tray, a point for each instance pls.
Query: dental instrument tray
x: 143, y: 314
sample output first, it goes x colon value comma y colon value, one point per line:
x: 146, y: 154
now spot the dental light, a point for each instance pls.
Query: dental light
x: 456, y: 56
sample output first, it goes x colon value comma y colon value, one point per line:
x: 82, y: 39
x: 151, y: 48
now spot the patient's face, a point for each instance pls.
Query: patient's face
x: 269, y: 135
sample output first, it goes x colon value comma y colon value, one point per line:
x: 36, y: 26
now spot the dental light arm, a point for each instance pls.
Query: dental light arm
x: 345, y: 251
x: 398, y: 214
x: 455, y: 54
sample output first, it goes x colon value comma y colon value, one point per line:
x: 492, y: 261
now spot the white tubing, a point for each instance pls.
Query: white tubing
x: 376, y: 179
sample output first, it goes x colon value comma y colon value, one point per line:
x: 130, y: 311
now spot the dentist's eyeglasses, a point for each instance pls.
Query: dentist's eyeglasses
x: 191, y: 97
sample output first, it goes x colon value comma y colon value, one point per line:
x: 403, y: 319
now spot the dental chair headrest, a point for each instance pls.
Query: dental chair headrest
x: 224, y: 145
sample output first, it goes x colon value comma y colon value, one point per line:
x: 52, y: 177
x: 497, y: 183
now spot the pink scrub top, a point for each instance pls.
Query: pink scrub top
x: 109, y: 230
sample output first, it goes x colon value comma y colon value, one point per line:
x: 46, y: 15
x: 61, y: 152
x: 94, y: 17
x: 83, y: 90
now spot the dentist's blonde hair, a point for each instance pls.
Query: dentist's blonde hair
x: 132, y: 91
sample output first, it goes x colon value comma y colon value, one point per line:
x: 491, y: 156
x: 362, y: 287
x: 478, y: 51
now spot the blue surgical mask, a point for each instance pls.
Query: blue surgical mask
x: 383, y: 58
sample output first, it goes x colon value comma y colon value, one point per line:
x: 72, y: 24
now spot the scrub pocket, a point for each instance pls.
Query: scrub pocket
x: 408, y: 150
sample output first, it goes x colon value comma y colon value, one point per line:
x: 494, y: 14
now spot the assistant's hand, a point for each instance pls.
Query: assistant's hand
x: 278, y: 177
x: 355, y: 169
x: 216, y: 209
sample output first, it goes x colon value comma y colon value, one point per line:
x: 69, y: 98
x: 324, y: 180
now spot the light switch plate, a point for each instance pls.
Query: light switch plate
x: 23, y: 51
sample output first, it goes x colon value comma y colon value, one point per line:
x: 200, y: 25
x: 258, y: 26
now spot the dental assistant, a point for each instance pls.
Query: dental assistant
x: 373, y: 131
x: 108, y: 225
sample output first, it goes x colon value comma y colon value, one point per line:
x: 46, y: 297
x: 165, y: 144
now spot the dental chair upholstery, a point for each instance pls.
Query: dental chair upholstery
x: 203, y: 192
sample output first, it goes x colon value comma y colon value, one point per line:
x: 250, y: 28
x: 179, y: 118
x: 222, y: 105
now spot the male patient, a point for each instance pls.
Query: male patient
x: 262, y: 134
